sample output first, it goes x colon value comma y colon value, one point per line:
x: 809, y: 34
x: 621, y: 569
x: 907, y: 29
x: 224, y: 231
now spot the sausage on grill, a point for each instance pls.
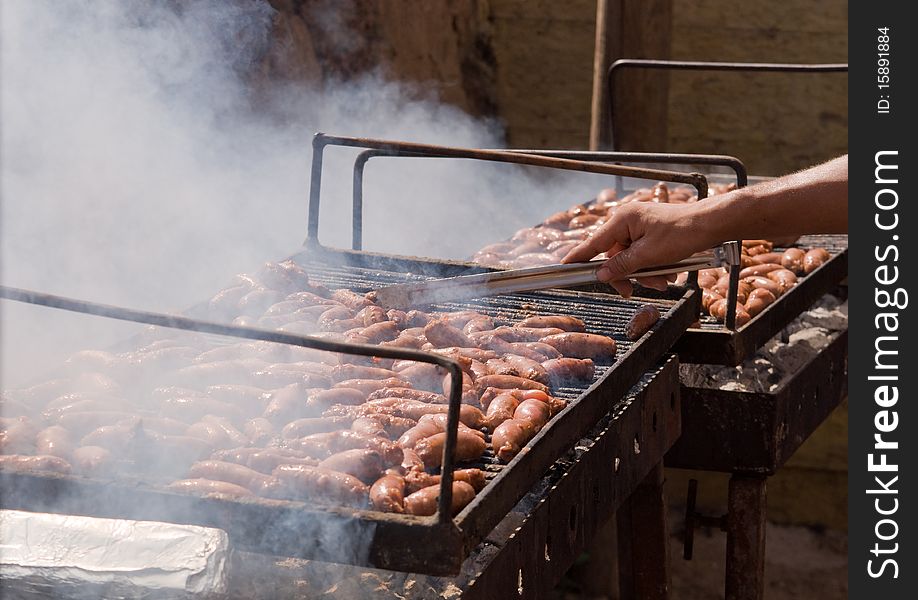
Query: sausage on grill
x: 583, y: 345
x: 468, y: 447
x: 567, y: 323
x: 387, y: 493
x: 509, y: 438
x: 642, y: 321
x: 205, y: 487
x: 424, y: 502
x: 300, y: 482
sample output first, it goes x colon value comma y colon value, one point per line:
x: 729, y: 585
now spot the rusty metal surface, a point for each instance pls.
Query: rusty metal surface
x: 643, y: 541
x: 758, y: 432
x: 745, y: 565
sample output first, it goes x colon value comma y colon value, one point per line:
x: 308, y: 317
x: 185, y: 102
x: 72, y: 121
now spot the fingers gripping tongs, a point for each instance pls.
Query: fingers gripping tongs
x: 537, y: 278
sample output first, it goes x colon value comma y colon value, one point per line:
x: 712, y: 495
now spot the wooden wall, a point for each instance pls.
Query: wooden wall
x: 528, y: 63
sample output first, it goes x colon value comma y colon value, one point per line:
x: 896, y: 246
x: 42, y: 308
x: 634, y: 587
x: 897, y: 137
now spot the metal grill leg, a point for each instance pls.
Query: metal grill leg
x: 745, y: 576
x: 645, y: 537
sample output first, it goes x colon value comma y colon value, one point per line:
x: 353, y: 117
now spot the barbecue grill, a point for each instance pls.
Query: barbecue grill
x: 435, y: 545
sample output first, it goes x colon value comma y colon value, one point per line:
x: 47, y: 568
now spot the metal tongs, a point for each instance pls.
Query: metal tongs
x: 537, y: 278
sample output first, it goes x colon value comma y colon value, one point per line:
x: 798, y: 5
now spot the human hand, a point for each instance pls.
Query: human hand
x: 644, y: 234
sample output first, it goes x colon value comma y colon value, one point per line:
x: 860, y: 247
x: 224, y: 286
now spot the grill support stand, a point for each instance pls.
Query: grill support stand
x: 643, y: 551
x: 745, y: 567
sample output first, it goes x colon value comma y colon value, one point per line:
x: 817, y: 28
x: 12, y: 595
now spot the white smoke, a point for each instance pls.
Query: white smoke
x: 138, y: 168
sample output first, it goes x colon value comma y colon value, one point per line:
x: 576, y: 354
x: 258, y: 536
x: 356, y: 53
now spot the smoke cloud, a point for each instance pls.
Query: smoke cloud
x: 140, y: 166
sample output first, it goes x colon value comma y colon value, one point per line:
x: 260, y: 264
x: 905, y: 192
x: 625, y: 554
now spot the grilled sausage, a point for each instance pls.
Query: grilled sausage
x: 206, y: 487
x: 366, y: 465
x: 742, y: 317
x: 758, y: 301
x: 708, y: 297
x: 765, y: 258
x: 707, y: 280
x: 350, y: 299
x: 343, y: 372
x: 258, y: 430
x: 536, y: 412
x: 423, y: 376
x: 416, y: 480
x: 319, y: 401
x: 91, y: 460
x: 265, y: 460
x: 372, y: 315
x: 537, y: 351
x: 369, y: 426
x: 814, y: 259
x: 214, y: 435
x: 387, y: 494
x: 468, y: 447
x: 408, y: 394
x: 380, y: 332
x: 792, y: 259
x: 509, y: 438
x: 567, y: 323
x: 518, y: 366
x: 480, y: 323
x: 759, y: 270
x: 500, y: 409
x: 411, y: 409
x: 751, y: 243
x: 441, y: 334
x: 17, y: 435
x: 233, y: 434
x: 430, y: 425
x: 441, y: 420
x: 490, y: 393
x: 300, y: 482
x: 368, y: 386
x: 510, y: 382
x: 54, y: 441
x: 564, y: 371
x: 583, y: 345
x: 249, y: 398
x: 642, y: 321
x: 424, y: 502
x: 525, y: 334
x: 764, y: 282
x: 303, y: 427
x: 229, y: 472
x: 783, y: 277
x: 40, y: 462
x: 323, y: 445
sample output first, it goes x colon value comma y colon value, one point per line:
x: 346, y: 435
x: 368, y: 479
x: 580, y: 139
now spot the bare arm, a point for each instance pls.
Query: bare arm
x: 643, y: 234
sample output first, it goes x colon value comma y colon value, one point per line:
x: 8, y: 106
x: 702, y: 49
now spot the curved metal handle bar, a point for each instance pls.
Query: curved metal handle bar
x: 648, y: 157
x: 697, y: 65
x: 444, y: 514
x: 414, y: 150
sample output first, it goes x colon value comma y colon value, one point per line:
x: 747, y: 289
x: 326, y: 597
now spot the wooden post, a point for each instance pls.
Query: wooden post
x: 631, y: 29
